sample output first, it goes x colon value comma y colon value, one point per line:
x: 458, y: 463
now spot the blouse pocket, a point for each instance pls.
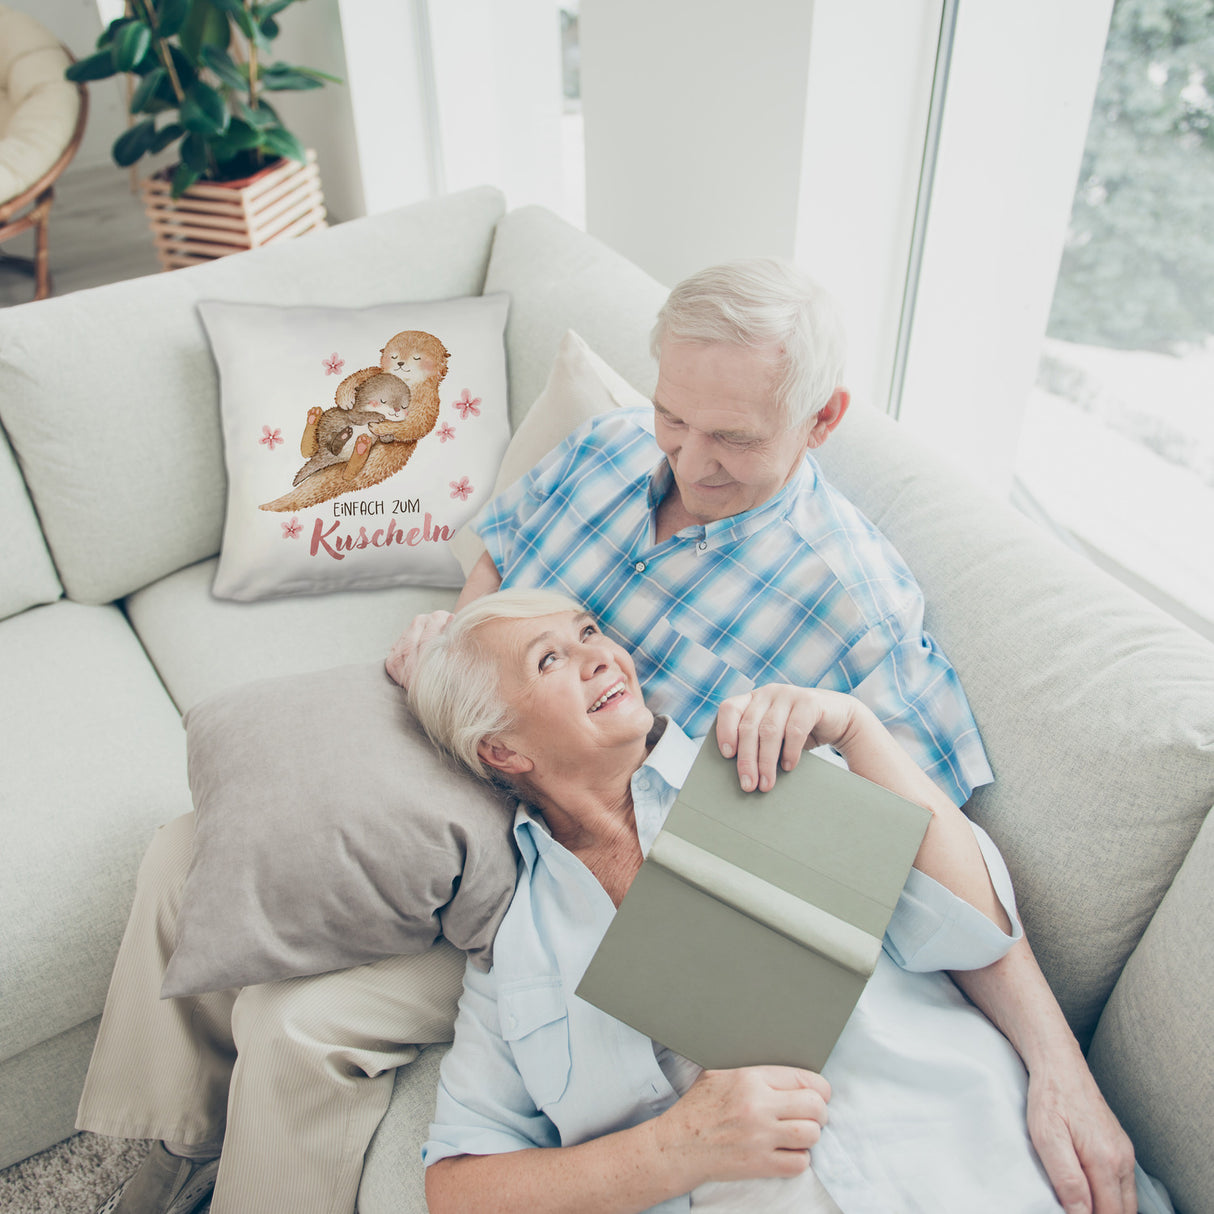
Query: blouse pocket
x: 535, y: 1023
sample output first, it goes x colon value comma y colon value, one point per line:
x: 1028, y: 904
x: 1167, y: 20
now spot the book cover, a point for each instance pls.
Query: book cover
x: 755, y: 921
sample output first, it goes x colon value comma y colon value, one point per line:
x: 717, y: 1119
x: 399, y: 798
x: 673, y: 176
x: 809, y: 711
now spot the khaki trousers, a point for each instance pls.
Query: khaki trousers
x: 293, y: 1076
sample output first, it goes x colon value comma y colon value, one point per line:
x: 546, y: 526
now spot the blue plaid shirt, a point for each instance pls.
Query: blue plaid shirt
x: 802, y: 589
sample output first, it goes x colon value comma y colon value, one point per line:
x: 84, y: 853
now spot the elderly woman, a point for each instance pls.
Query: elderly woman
x: 547, y: 1103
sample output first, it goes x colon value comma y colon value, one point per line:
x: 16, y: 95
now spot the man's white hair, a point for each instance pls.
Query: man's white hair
x: 763, y: 303
x: 454, y: 691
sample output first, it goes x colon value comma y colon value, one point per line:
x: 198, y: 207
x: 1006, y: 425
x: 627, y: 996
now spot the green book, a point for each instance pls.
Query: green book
x: 757, y: 918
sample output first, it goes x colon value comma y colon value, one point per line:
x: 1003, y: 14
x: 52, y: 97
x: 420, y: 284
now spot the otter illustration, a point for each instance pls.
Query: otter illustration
x: 419, y: 361
x: 331, y: 434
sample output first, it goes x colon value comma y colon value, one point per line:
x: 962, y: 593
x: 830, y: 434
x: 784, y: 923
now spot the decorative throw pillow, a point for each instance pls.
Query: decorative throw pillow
x: 580, y: 386
x: 330, y: 833
x: 357, y: 441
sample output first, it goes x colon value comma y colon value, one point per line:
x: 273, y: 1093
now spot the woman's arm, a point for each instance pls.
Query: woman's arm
x: 730, y: 1125
x: 769, y: 728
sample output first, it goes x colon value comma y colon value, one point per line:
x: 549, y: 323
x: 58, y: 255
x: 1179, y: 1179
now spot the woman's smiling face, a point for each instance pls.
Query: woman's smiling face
x: 572, y: 691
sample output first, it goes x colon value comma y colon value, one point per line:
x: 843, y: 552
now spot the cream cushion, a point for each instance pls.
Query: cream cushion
x: 38, y: 106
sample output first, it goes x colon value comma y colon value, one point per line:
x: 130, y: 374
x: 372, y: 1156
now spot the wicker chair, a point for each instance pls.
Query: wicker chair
x: 42, y: 118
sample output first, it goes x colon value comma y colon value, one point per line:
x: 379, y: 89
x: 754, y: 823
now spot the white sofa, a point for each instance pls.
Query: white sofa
x: 1097, y: 711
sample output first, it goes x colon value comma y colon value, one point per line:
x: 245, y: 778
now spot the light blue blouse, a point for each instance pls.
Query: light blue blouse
x: 928, y: 1104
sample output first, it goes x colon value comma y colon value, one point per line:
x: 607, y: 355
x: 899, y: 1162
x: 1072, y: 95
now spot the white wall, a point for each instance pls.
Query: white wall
x: 694, y: 125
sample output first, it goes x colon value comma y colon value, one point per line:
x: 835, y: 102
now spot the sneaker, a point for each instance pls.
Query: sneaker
x: 164, y: 1184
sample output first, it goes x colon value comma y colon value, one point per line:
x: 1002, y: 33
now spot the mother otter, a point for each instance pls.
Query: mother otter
x: 420, y: 360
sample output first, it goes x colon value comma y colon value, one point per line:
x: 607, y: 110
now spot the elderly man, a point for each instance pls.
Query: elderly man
x: 704, y: 538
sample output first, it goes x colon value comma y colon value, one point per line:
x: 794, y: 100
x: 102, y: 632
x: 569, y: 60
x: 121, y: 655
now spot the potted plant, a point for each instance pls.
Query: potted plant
x: 201, y: 71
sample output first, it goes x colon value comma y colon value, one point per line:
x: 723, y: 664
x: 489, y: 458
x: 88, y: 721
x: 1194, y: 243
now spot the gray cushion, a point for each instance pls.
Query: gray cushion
x: 126, y: 371
x: 559, y: 278
x: 94, y: 761
x: 29, y: 575
x: 330, y: 833
x: 1095, y: 708
x: 202, y: 645
x: 1153, y: 1053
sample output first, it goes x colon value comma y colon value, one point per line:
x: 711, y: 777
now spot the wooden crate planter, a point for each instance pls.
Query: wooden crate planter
x: 215, y: 218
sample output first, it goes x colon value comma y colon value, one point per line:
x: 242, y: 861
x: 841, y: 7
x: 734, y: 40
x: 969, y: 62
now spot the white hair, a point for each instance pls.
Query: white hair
x: 763, y: 303
x: 454, y: 691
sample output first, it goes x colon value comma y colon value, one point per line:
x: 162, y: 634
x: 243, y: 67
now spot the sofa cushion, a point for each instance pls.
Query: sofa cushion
x: 202, y: 645
x: 29, y: 574
x: 126, y: 371
x: 432, y: 376
x: 1097, y: 711
x: 94, y: 760
x: 558, y: 278
x: 330, y: 833
x: 1152, y: 1054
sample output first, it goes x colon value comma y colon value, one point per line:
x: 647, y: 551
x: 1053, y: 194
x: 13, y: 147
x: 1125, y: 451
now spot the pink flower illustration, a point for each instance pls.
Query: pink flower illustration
x: 333, y: 364
x: 270, y: 437
x: 291, y: 530
x: 461, y: 488
x: 468, y: 405
x: 445, y: 431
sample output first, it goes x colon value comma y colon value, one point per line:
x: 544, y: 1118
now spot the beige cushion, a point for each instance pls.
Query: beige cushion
x: 131, y: 500
x: 39, y: 107
x: 29, y: 575
x: 580, y: 386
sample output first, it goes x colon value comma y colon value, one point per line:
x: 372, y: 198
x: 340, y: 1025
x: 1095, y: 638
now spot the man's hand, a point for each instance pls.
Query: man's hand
x: 403, y: 656
x: 770, y: 727
x: 749, y: 1122
x: 1087, y: 1155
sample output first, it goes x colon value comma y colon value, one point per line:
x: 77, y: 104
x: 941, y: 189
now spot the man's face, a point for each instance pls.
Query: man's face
x: 716, y: 419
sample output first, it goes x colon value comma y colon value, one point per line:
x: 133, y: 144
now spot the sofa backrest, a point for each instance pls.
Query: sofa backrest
x: 28, y: 577
x: 110, y: 396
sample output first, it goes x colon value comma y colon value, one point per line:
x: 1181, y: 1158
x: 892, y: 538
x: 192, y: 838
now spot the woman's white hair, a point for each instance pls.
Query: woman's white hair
x: 763, y: 303
x: 454, y: 691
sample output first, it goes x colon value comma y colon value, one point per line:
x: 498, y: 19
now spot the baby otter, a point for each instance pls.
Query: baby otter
x: 331, y: 433
x: 419, y: 360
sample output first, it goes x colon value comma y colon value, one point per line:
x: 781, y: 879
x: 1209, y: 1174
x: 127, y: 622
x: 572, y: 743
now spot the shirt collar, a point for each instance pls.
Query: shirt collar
x: 655, y: 784
x: 737, y: 526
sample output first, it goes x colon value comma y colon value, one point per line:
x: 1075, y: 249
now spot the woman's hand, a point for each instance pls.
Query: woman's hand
x: 755, y: 1121
x: 402, y: 659
x: 772, y: 725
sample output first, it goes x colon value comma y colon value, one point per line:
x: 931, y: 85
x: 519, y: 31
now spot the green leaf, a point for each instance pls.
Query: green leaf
x: 186, y: 71
x: 203, y: 111
x: 106, y: 38
x: 205, y: 26
x: 279, y: 77
x: 131, y: 44
x: 225, y: 67
x: 166, y: 135
x: 95, y: 67
x: 281, y: 142
x: 269, y: 30
x: 194, y: 153
x: 171, y: 16
x: 241, y: 137
x: 132, y: 144
x: 183, y: 178
x: 261, y: 118
x: 144, y: 97
x: 317, y: 74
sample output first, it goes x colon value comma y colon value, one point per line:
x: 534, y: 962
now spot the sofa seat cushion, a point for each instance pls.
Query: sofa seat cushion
x: 202, y: 645
x: 125, y: 503
x: 1096, y: 709
x: 29, y: 574
x: 94, y: 761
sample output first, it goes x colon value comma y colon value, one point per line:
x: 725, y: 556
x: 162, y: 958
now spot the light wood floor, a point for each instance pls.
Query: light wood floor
x: 98, y: 234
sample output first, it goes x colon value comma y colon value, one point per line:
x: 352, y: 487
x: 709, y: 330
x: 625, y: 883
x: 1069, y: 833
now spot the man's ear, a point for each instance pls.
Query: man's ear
x: 501, y: 758
x: 829, y: 416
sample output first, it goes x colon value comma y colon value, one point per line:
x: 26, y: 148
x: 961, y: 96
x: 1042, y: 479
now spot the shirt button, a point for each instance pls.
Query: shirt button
x: 639, y: 566
x: 702, y: 545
